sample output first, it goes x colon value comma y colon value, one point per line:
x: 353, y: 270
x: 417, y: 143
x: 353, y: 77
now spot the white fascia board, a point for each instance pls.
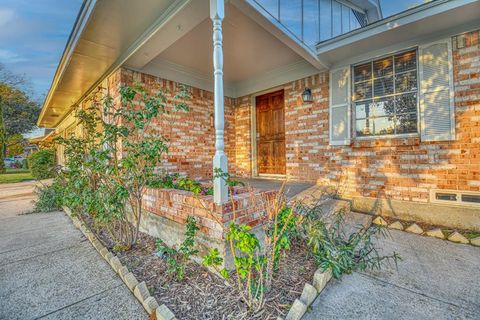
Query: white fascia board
x: 171, y: 11
x: 402, y: 19
x: 81, y: 21
x: 254, y: 11
x: 413, y: 43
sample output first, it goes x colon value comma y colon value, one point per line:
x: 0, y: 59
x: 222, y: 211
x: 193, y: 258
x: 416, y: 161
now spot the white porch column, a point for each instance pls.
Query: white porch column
x: 220, y: 192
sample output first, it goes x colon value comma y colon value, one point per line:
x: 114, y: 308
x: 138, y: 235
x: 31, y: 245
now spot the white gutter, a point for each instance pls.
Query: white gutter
x: 79, y: 25
x: 398, y: 20
x: 169, y: 13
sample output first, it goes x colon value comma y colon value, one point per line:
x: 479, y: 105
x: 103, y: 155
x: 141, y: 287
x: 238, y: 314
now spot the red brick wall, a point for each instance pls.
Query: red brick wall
x: 399, y: 168
x: 248, y: 207
x: 191, y: 134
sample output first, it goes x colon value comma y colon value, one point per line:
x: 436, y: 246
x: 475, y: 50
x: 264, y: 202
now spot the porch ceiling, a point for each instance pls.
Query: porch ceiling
x: 254, y: 59
x: 172, y: 39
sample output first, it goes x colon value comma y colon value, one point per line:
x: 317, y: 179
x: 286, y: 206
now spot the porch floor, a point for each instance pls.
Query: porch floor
x: 292, y: 188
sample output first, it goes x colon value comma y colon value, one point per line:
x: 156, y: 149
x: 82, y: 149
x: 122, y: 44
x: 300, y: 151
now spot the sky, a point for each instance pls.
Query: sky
x: 33, y: 34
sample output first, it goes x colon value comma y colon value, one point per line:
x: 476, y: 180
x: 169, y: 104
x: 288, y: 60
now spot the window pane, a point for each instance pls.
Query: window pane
x: 325, y: 19
x: 383, y: 86
x: 383, y: 67
x: 406, y: 81
x: 363, y: 109
x: 310, y: 22
x: 383, y: 125
x: 406, y: 61
x: 406, y: 103
x: 362, y: 72
x: 407, y: 123
x: 337, y: 18
x: 362, y: 128
x: 384, y: 107
x: 362, y: 90
x: 271, y: 6
x: 291, y: 16
x: 385, y: 101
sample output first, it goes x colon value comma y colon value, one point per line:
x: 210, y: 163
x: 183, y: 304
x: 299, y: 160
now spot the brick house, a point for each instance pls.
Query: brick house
x: 386, y: 110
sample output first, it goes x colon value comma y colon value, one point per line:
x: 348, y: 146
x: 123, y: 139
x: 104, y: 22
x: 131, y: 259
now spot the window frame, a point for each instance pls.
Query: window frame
x: 352, y: 102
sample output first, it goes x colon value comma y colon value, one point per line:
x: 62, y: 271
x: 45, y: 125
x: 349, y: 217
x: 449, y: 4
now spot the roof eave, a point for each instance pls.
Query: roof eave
x: 78, y: 27
x: 395, y: 21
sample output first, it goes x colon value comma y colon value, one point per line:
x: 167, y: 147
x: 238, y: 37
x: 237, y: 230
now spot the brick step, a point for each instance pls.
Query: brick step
x: 322, y: 198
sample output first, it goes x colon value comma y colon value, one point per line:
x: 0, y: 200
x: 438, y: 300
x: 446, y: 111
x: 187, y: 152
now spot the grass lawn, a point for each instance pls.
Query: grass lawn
x: 15, y: 175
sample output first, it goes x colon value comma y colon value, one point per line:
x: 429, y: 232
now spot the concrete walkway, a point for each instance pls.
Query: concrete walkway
x: 437, y: 279
x: 48, y: 270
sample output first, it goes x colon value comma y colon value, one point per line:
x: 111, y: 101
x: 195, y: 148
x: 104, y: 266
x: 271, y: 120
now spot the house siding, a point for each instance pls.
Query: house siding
x: 394, y: 168
x: 191, y: 134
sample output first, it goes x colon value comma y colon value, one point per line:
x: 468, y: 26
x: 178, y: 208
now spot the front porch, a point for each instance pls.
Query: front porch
x: 292, y: 188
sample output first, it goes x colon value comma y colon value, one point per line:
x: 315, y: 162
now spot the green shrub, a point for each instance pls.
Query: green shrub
x: 177, y: 259
x: 41, y: 164
x: 49, y: 198
x: 345, y: 253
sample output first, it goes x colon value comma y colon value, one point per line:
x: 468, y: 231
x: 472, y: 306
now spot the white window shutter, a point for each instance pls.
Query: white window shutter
x: 340, y: 111
x: 437, y: 109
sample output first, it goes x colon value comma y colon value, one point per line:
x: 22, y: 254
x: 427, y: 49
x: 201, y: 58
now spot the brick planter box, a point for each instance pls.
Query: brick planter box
x: 167, y: 210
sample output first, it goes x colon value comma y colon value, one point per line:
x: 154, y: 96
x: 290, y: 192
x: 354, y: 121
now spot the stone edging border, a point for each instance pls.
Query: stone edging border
x: 139, y: 289
x: 309, y: 294
x: 455, y: 236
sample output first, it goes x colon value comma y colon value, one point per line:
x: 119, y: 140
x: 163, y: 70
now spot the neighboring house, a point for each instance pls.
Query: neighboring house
x: 385, y: 110
x: 43, y: 140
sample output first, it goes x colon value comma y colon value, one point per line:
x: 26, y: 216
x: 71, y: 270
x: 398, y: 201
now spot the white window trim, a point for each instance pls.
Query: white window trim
x: 353, y: 115
x: 348, y: 140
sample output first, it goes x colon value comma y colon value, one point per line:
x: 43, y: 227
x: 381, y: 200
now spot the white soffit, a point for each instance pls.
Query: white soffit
x: 254, y: 59
x: 103, y: 33
x: 440, y: 18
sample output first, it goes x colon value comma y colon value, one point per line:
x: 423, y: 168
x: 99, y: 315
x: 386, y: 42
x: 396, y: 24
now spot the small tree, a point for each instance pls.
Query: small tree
x: 15, y: 145
x: 118, y: 153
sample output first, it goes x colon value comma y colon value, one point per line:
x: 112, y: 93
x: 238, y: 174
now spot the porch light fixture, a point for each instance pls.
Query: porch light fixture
x: 307, y: 95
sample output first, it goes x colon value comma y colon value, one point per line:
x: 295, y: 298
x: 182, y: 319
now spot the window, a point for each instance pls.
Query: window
x: 455, y: 197
x: 385, y: 94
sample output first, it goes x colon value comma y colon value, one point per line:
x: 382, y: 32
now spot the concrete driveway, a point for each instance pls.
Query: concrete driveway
x: 48, y: 270
x: 437, y: 279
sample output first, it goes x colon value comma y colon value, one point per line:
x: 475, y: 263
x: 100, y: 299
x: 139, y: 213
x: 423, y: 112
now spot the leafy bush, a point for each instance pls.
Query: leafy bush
x: 177, y: 260
x: 108, y: 170
x: 41, y: 164
x: 343, y: 254
x: 49, y: 198
x: 174, y: 181
x: 255, y: 265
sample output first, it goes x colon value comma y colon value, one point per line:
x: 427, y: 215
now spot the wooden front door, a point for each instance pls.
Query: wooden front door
x: 271, y: 133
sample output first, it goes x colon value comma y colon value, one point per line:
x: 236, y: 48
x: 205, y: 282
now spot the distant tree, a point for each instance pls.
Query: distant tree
x: 15, y: 145
x: 18, y: 113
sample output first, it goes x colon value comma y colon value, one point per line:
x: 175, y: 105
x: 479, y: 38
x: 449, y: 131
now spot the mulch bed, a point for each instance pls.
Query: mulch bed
x: 204, y: 295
